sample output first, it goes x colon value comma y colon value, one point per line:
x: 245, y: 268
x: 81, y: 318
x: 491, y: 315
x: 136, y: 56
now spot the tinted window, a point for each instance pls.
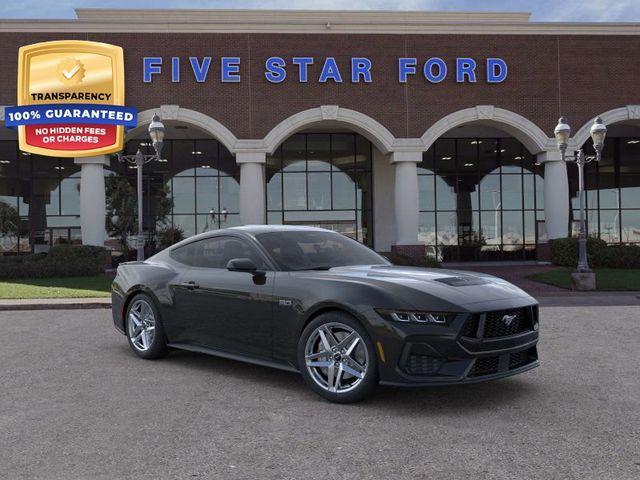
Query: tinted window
x: 185, y: 254
x: 216, y: 252
x: 309, y: 250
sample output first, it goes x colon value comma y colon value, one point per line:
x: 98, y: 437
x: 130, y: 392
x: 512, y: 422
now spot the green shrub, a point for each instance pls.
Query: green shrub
x: 406, y: 261
x: 564, y: 252
x: 169, y: 236
x: 61, y: 261
x: 618, y: 256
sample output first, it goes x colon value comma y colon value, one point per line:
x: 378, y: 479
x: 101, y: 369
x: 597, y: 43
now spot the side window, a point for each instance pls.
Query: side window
x: 211, y: 253
x: 185, y: 255
x: 239, y: 248
x: 216, y: 252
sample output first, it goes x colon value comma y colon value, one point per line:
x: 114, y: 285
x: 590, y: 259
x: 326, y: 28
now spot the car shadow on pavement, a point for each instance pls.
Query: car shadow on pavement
x: 460, y: 398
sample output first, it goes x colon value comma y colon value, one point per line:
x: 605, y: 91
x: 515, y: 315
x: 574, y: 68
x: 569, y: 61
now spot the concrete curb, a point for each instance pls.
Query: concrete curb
x: 54, y: 304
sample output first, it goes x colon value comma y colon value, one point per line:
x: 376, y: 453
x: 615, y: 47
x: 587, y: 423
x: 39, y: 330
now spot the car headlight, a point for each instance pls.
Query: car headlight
x: 404, y: 316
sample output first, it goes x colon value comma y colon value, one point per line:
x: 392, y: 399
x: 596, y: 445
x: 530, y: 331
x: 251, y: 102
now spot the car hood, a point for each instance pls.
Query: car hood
x: 454, y: 286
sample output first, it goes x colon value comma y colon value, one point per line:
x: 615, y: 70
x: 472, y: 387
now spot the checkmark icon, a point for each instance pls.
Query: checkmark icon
x: 71, y: 73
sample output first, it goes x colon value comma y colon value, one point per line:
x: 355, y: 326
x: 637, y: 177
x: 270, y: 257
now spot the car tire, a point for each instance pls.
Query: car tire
x: 334, y: 373
x: 143, y: 327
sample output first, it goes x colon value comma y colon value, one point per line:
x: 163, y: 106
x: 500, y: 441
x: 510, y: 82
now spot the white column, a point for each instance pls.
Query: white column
x: 93, y: 208
x: 252, y: 187
x: 406, y: 196
x: 556, y: 194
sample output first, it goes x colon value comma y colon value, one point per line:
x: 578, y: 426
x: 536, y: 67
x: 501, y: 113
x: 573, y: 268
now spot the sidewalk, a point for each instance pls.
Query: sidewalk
x: 54, y: 303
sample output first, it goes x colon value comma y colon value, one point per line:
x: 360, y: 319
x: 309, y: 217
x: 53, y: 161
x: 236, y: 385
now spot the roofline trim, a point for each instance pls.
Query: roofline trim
x: 310, y: 21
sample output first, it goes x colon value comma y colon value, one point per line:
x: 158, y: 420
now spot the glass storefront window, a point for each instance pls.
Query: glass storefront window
x: 484, y: 202
x: 294, y: 190
x: 630, y: 190
x: 319, y: 191
x: 324, y: 180
x: 612, y: 190
x: 426, y: 189
x: 207, y: 195
x: 630, y: 224
x: 195, y: 187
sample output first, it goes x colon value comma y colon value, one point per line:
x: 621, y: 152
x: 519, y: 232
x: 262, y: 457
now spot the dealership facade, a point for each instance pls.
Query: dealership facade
x: 404, y: 130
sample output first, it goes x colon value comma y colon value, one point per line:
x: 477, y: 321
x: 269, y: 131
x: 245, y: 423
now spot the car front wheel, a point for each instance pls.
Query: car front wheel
x: 337, y: 359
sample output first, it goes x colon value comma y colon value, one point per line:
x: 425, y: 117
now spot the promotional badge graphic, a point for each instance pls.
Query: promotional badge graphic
x: 70, y: 99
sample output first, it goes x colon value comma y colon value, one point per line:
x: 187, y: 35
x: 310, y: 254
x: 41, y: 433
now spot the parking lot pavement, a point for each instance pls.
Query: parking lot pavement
x: 77, y: 404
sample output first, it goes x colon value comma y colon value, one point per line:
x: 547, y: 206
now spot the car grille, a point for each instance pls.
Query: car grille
x: 423, y: 364
x: 484, y: 366
x: 520, y: 359
x: 491, y: 365
x: 471, y: 327
x: 495, y: 324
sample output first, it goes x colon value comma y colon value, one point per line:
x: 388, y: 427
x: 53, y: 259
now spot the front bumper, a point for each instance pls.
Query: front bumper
x: 468, y: 350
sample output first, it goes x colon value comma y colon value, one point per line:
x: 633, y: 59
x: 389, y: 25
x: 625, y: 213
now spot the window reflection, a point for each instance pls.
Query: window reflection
x: 479, y: 199
x: 612, y: 190
x: 630, y: 226
x: 322, y: 179
x: 197, y: 179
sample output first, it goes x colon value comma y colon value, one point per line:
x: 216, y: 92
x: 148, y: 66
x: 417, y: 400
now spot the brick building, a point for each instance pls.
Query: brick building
x: 401, y: 129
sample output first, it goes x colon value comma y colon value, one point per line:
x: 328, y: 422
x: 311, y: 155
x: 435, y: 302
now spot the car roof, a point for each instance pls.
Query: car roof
x: 251, y: 230
x: 255, y: 229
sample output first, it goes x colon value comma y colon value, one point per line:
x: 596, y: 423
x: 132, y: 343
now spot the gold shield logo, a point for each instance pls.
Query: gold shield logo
x: 75, y: 73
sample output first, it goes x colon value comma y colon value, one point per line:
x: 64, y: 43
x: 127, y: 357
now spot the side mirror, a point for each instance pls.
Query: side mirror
x: 242, y: 265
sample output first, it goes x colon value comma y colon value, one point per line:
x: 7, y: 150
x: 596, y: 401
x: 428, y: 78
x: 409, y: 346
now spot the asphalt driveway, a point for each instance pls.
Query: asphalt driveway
x: 75, y: 403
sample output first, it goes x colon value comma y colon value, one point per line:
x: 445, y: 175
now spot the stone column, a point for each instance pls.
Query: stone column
x: 406, y: 203
x: 252, y: 187
x: 556, y: 195
x: 93, y: 208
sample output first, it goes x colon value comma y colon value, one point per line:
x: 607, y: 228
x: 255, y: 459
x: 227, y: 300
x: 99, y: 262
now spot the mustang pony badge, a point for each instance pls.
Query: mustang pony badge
x: 508, y: 319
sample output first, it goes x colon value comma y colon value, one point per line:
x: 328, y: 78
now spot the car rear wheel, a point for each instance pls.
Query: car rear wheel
x: 337, y: 359
x: 144, y: 329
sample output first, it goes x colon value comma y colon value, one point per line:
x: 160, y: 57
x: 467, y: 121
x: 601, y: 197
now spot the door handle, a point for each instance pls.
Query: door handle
x: 190, y: 285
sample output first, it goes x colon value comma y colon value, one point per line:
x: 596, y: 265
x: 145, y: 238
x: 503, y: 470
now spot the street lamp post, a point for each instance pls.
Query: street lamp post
x: 562, y: 133
x: 156, y: 133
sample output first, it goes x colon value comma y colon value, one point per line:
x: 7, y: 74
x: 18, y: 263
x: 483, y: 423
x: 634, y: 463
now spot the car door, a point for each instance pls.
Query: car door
x: 225, y: 310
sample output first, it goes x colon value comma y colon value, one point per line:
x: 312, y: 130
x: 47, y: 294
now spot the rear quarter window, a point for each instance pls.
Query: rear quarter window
x: 185, y: 255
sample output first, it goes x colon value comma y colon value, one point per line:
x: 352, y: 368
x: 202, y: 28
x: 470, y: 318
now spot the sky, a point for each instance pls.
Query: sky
x: 542, y: 10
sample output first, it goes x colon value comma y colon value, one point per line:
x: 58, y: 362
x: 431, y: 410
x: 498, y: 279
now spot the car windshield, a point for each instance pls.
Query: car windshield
x: 316, y: 250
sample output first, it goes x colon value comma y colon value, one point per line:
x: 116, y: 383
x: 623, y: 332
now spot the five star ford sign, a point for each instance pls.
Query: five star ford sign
x: 70, y: 99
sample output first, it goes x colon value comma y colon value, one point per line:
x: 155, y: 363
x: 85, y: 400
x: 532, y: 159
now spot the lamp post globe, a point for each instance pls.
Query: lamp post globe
x: 156, y: 133
x: 598, y: 133
x: 562, y: 133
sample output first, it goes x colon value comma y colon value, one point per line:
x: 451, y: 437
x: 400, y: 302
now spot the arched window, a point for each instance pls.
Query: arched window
x: 322, y: 179
x: 480, y: 199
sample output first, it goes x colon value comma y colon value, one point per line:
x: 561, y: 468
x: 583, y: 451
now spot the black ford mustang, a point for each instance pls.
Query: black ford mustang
x: 311, y: 300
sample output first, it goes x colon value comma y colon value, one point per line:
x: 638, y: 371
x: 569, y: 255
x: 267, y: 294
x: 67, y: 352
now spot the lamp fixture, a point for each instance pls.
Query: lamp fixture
x: 562, y: 133
x: 156, y: 132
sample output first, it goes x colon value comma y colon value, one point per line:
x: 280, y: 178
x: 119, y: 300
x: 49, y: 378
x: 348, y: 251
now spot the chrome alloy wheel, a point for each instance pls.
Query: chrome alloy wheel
x: 336, y: 357
x: 141, y: 325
